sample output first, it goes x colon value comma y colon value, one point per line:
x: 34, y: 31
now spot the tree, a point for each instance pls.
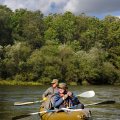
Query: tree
x: 28, y: 26
x: 62, y: 27
x: 5, y: 26
x: 44, y: 62
x: 112, y: 26
x: 15, y: 59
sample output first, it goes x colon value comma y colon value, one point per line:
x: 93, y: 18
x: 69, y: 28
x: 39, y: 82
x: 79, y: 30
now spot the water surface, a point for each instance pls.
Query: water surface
x: 11, y: 94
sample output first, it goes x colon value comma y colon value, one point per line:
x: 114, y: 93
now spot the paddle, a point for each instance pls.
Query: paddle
x: 35, y: 113
x: 86, y: 94
x: 29, y: 114
x: 103, y: 102
x: 27, y: 103
x: 65, y: 109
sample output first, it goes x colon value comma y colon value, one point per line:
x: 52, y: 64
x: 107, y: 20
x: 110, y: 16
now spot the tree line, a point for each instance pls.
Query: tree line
x: 72, y: 48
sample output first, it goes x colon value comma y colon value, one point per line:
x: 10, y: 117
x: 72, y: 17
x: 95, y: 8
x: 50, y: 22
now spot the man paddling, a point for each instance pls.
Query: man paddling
x: 49, y: 94
x: 65, y: 98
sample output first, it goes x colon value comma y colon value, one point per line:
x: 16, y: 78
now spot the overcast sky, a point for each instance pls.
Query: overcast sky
x: 98, y: 8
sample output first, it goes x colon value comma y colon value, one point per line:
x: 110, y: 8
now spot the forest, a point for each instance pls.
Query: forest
x: 69, y: 47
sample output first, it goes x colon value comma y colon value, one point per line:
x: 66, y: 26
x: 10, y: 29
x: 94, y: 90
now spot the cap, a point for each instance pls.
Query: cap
x: 55, y: 81
x: 62, y: 86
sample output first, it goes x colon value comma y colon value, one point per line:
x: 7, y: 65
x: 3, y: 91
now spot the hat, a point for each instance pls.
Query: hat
x: 62, y: 86
x: 54, y: 81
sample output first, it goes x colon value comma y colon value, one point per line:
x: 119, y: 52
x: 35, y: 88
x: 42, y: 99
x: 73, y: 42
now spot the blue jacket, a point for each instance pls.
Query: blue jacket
x: 60, y: 103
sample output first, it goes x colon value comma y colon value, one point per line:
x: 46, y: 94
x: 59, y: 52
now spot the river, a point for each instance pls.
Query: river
x: 11, y: 94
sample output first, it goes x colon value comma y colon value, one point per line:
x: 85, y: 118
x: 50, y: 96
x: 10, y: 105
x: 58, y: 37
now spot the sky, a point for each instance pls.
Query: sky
x: 97, y: 8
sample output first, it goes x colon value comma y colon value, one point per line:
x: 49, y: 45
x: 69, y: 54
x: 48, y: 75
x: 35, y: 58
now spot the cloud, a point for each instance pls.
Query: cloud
x: 90, y: 7
x: 42, y: 5
x: 98, y: 8
x: 118, y: 16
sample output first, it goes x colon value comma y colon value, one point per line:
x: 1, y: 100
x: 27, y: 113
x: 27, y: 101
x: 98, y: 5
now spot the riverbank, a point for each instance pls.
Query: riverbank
x: 13, y: 82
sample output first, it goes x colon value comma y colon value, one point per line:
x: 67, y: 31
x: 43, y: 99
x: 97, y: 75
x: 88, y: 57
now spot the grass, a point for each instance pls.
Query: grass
x: 13, y: 82
x: 72, y: 83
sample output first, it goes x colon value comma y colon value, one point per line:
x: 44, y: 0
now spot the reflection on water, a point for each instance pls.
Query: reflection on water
x: 11, y: 94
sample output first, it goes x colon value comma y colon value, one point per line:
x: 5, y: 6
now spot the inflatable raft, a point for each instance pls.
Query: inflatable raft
x: 70, y: 114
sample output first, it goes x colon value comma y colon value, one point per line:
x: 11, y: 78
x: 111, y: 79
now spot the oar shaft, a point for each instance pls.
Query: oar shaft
x: 42, y: 112
x: 86, y: 94
x: 103, y: 102
x: 65, y: 109
x: 27, y: 103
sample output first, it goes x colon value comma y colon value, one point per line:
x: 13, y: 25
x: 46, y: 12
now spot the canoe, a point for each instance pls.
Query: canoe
x: 83, y: 114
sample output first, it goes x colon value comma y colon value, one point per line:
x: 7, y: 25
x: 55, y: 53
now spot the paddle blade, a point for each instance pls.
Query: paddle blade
x: 101, y: 103
x: 87, y: 94
x: 108, y: 102
x: 27, y: 103
x: 19, y: 117
x: 22, y: 103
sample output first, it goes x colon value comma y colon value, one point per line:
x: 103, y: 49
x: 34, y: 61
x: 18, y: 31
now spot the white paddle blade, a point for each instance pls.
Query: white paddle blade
x: 21, y: 103
x: 27, y: 103
x: 87, y: 94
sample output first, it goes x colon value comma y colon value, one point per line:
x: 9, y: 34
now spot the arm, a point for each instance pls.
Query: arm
x: 58, y: 101
x: 77, y: 104
x: 47, y: 92
x: 75, y: 100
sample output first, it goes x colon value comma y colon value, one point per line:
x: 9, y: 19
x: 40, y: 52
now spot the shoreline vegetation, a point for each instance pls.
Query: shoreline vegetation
x: 14, y: 82
x: 77, y: 49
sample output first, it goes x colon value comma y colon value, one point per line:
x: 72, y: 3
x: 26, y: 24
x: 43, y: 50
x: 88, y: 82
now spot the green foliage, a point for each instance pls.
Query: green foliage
x: 2, y: 70
x: 15, y: 58
x: 76, y: 49
x: 28, y: 26
x: 110, y: 74
x: 5, y: 26
x: 14, y: 82
x: 62, y: 27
